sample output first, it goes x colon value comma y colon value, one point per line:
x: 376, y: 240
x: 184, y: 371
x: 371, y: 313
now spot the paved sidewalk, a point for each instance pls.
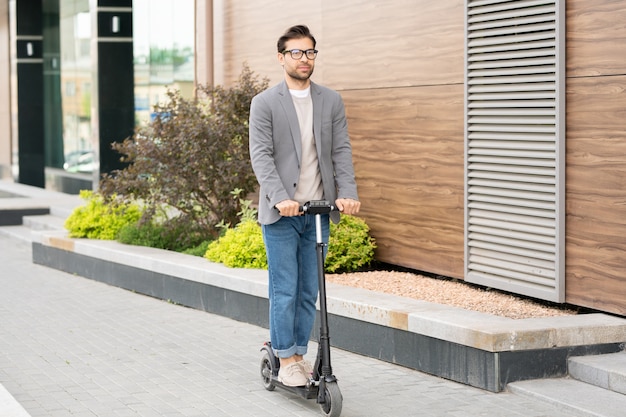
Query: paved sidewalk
x: 70, y: 346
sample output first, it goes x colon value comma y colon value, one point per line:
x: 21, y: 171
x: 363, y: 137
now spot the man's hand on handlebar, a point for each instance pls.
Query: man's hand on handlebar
x: 289, y: 208
x: 348, y: 205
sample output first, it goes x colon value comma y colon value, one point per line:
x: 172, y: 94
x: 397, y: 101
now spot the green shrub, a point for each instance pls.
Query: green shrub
x: 350, y: 247
x: 240, y: 247
x: 199, y: 250
x: 146, y: 234
x: 176, y: 234
x: 102, y: 217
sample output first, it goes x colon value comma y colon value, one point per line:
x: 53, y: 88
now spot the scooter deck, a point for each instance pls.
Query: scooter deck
x: 303, y: 391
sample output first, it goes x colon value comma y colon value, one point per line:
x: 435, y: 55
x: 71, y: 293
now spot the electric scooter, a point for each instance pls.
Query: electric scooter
x: 322, y: 384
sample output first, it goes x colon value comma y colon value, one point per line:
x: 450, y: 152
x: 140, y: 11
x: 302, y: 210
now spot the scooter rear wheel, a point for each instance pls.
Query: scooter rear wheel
x: 267, y: 372
x: 334, y: 400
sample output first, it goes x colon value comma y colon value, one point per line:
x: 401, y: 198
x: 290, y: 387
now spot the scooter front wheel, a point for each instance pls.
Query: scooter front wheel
x: 334, y: 400
x: 267, y: 372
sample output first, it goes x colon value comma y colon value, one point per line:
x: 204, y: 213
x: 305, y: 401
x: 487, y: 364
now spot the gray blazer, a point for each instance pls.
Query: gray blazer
x: 276, y: 149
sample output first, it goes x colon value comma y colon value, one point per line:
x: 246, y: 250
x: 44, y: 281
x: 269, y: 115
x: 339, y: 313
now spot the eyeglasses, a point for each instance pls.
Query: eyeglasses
x: 297, y: 53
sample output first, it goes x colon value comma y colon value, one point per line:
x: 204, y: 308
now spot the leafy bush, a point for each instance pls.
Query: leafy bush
x: 146, y: 234
x: 190, y: 157
x: 350, y: 247
x: 102, y: 217
x: 240, y: 247
x: 176, y: 234
x: 199, y: 250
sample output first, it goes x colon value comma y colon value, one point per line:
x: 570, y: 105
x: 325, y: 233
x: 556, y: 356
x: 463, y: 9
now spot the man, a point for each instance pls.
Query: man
x: 300, y: 151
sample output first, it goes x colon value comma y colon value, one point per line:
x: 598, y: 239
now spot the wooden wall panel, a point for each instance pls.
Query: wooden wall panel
x: 408, y: 153
x: 596, y: 37
x: 247, y: 31
x: 596, y: 193
x: 363, y: 44
x: 369, y: 44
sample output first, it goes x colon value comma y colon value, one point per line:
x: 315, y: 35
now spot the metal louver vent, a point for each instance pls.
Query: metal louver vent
x: 514, y: 154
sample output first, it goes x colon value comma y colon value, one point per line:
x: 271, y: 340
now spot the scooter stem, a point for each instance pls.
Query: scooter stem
x: 324, y: 336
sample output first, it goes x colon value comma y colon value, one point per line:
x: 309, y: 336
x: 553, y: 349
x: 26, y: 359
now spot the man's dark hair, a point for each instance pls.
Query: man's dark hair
x: 294, y: 32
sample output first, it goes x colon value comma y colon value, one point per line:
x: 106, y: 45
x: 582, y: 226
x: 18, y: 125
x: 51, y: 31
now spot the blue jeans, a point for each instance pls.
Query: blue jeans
x: 290, y: 244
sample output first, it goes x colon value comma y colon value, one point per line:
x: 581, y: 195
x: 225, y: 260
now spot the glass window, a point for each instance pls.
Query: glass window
x: 163, y: 41
x: 76, y: 73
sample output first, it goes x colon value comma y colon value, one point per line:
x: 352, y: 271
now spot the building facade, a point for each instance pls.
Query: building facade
x: 488, y: 135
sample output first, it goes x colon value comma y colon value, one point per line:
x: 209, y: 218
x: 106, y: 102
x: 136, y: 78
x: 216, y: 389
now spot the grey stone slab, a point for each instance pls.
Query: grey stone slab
x: 588, y: 373
x: 17, y: 232
x: 606, y: 371
x: 574, y: 397
x: 44, y: 222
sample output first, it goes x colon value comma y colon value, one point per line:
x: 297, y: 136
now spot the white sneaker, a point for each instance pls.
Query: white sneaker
x: 307, y: 368
x: 291, y: 375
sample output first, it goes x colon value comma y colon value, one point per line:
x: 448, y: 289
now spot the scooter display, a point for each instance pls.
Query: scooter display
x: 322, y: 384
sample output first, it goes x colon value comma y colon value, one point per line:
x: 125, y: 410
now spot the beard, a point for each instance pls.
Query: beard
x: 299, y: 76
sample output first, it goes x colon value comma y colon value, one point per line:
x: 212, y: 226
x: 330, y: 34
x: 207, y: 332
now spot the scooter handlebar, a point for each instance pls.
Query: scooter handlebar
x: 318, y: 207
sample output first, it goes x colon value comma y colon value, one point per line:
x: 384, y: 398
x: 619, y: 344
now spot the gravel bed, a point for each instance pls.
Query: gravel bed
x: 450, y: 292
